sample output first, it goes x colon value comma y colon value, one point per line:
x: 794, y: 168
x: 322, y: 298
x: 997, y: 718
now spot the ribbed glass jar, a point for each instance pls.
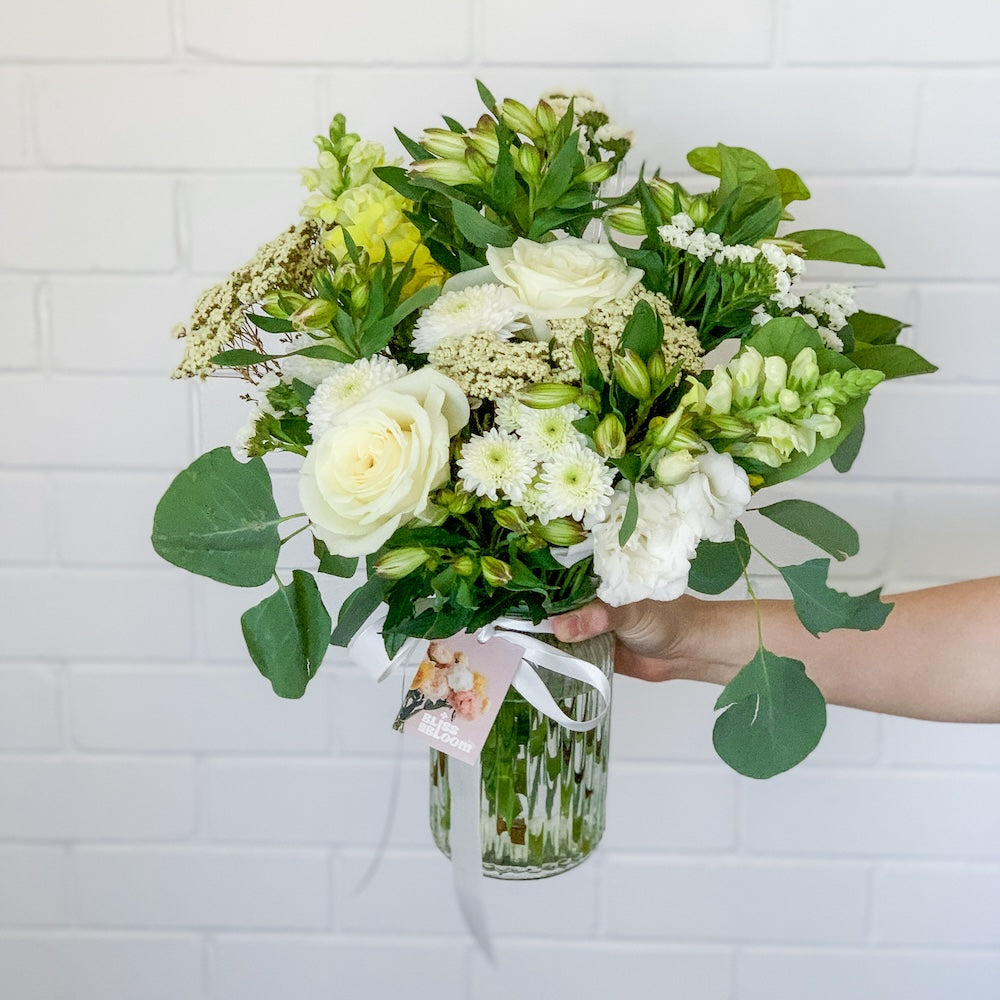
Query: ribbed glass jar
x: 543, y: 788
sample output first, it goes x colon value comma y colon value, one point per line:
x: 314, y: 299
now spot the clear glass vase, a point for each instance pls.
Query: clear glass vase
x: 543, y: 788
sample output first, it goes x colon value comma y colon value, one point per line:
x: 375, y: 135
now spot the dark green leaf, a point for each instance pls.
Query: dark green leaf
x: 847, y: 451
x: 455, y: 126
x: 873, y: 328
x: 895, y: 360
x: 413, y: 147
x: 631, y: 518
x: 238, y: 358
x: 773, y: 716
x: 821, y: 608
x: 398, y: 179
x: 332, y: 565
x: 643, y: 332
x: 357, y: 609
x: 487, y: 98
x: 718, y: 565
x: 831, y: 244
x: 822, y: 527
x: 504, y: 187
x: 218, y: 519
x: 287, y: 635
x: 559, y: 175
x: 271, y: 324
x: 477, y: 229
x: 303, y: 391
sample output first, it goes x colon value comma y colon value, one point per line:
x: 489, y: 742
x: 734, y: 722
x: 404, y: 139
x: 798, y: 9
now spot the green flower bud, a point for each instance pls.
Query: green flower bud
x: 464, y: 565
x: 675, y: 467
x: 670, y: 197
x: 496, y: 572
x: 547, y: 118
x: 788, y: 400
x: 687, y: 440
x: 548, y: 395
x: 359, y: 297
x: 775, y: 375
x: 314, y: 315
x: 589, y: 400
x: 626, y: 219
x: 272, y: 303
x: 803, y: 374
x: 609, y: 437
x: 479, y: 165
x: 581, y: 354
x: 657, y: 368
x: 519, y: 119
x: 862, y: 380
x: 445, y: 143
x: 451, y: 172
x: 397, y: 563
x: 560, y: 531
x: 719, y: 397
x: 456, y: 502
x: 511, y: 519
x: 484, y: 138
x: 699, y: 211
x: 596, y: 173
x: 528, y: 161
x: 631, y: 374
x: 728, y: 427
x: 662, y: 429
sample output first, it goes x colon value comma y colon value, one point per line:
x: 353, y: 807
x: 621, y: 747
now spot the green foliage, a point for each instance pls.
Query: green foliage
x: 357, y: 609
x: 847, y: 451
x: 718, y: 565
x: 821, y: 609
x: 831, y: 244
x: 218, y: 519
x: 333, y: 565
x: 287, y: 635
x: 894, y: 360
x: 871, y: 328
x: 820, y: 526
x: 772, y: 717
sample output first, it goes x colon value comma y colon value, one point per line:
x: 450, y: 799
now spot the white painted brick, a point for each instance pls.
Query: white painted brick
x: 638, y: 33
x: 878, y: 814
x: 765, y: 974
x: 311, y: 968
x: 228, y: 217
x: 662, y: 722
x: 309, y: 802
x: 437, y: 32
x: 29, y: 708
x: 130, y: 422
x: 722, y: 901
x: 396, y: 900
x: 653, y: 808
x: 105, y: 29
x: 914, y: 742
x: 591, y: 970
x: 13, y: 119
x: 86, y: 799
x: 957, y: 331
x: 726, y: 107
x: 180, y: 708
x: 947, y: 142
x: 33, y: 886
x: 88, y: 614
x: 176, y: 117
x: 853, y: 31
x: 26, y: 530
x: 362, y: 713
x: 201, y: 887
x: 84, y: 966
x: 82, y: 222
x: 937, y: 906
x: 949, y: 532
x: 118, y: 323
x: 21, y: 343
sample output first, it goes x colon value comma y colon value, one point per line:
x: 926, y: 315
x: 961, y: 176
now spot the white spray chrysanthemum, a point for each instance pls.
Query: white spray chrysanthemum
x: 576, y: 483
x: 496, y: 463
x: 547, y: 432
x: 477, y: 309
x: 510, y: 413
x: 346, y: 386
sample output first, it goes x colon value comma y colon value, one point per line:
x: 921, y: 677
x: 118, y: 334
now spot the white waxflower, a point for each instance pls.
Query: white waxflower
x: 682, y: 221
x: 576, y: 483
x: 546, y: 432
x: 702, y: 245
x: 675, y: 236
x: 346, y: 386
x: 760, y: 316
x: 495, y: 463
x: 476, y: 309
x: 775, y: 256
x: 738, y: 252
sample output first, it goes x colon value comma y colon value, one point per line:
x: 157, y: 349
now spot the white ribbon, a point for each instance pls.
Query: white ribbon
x: 367, y: 651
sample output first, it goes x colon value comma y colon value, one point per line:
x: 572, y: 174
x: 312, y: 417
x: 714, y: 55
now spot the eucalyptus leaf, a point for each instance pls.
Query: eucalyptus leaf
x: 822, y: 609
x: 873, y: 328
x: 718, y: 565
x: 847, y: 451
x: 334, y: 565
x: 218, y: 519
x: 817, y: 524
x: 831, y: 244
x: 357, y: 609
x: 287, y: 635
x: 773, y: 716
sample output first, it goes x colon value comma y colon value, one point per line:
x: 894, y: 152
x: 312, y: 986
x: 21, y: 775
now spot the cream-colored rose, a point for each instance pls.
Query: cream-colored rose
x: 564, y: 279
x: 374, y: 467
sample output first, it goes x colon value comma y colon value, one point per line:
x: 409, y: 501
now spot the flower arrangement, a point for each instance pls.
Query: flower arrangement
x: 513, y: 391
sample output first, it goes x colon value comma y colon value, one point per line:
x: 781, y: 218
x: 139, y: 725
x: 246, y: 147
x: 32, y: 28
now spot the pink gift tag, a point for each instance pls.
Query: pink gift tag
x: 457, y: 692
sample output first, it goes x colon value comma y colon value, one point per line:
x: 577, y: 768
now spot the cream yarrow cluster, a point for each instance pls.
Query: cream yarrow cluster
x: 487, y: 367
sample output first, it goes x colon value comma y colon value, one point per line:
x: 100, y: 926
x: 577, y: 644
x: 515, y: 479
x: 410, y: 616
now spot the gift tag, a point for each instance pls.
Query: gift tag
x: 456, y: 693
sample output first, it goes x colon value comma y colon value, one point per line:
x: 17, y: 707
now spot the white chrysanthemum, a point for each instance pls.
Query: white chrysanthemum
x: 547, y: 432
x: 478, y: 309
x: 532, y: 502
x: 347, y: 385
x: 510, y: 413
x: 576, y: 483
x: 495, y: 463
x: 713, y: 497
x: 246, y: 434
x: 655, y: 561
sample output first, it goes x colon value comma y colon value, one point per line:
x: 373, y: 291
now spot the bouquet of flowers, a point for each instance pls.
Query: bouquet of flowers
x: 500, y: 372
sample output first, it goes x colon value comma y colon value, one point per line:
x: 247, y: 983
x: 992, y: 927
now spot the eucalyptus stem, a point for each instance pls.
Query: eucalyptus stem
x: 297, y: 531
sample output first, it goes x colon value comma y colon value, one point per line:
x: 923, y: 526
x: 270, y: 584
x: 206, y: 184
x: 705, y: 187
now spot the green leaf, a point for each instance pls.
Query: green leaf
x: 820, y: 526
x: 333, y: 565
x: 218, y: 519
x: 413, y: 147
x: 487, y: 98
x: 238, y: 358
x: 718, y: 565
x: 559, y: 175
x: 873, y: 328
x: 895, y: 360
x: 831, y: 244
x: 773, y: 716
x: 477, y: 229
x: 847, y: 451
x: 792, y: 186
x: 643, y: 332
x: 504, y: 187
x: 706, y: 160
x: 822, y: 609
x: 357, y: 609
x: 271, y: 324
x: 631, y: 518
x: 287, y: 635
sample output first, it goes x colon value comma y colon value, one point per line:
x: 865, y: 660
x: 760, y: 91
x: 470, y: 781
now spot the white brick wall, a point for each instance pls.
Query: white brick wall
x: 169, y: 830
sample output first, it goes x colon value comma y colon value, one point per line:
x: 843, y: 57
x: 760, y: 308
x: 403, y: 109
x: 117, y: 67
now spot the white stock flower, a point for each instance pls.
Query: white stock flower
x: 563, y: 279
x: 546, y: 432
x: 346, y: 386
x: 713, y: 496
x: 496, y: 462
x: 576, y: 483
x: 375, y: 466
x: 655, y: 561
x: 477, y: 309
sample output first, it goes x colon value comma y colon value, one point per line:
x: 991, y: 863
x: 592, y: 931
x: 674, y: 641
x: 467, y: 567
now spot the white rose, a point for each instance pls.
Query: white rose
x: 713, y: 496
x: 374, y: 467
x: 655, y: 561
x: 564, y: 279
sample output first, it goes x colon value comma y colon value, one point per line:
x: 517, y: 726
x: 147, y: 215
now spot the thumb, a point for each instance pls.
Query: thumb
x: 584, y: 623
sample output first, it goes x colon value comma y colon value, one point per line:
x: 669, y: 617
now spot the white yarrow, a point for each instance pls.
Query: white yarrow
x: 476, y: 309
x: 496, y: 463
